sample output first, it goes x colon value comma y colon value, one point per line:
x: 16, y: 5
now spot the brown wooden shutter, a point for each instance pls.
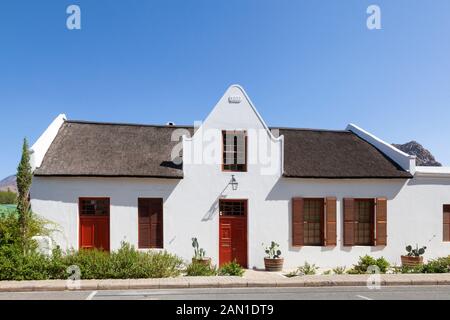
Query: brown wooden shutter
x: 150, y: 224
x: 380, y: 222
x: 330, y: 221
x: 349, y: 221
x: 143, y: 224
x: 297, y: 222
x: 446, y: 223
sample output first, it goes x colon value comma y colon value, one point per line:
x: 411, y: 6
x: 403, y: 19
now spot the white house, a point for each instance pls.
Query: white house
x: 327, y: 197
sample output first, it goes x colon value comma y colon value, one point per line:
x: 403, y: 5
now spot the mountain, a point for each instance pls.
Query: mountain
x: 424, y: 157
x: 8, y: 183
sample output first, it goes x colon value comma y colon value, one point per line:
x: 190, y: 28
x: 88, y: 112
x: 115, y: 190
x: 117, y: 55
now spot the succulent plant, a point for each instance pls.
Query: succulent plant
x: 417, y: 252
x: 199, y: 253
x: 273, y: 251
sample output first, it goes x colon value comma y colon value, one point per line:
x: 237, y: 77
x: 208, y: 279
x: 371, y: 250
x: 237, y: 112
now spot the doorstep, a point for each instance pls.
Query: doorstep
x: 259, y: 279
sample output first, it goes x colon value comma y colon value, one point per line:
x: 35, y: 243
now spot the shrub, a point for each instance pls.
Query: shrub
x: 8, y: 197
x: 126, y: 263
x: 10, y: 233
x: 14, y: 265
x: 439, y: 265
x: 199, y: 269
x: 163, y: 265
x: 364, y: 262
x: 327, y: 272
x: 339, y: 270
x: 409, y: 269
x: 231, y: 269
x: 307, y: 269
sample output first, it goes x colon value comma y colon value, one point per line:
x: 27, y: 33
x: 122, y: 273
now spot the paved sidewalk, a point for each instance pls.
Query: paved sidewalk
x: 251, y: 279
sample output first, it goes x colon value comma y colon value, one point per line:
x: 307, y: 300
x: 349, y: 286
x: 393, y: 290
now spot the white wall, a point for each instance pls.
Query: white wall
x: 191, y: 204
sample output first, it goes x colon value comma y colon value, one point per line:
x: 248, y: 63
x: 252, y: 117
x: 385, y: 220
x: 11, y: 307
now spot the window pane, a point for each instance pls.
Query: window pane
x: 232, y: 208
x: 234, y: 151
x: 94, y: 207
x: 364, y: 218
x: 313, y: 222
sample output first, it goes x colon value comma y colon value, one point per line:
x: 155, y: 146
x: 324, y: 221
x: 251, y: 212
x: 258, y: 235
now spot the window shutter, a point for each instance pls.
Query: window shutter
x: 380, y: 222
x: 297, y: 222
x: 144, y: 224
x: 349, y: 221
x: 330, y: 221
x: 446, y: 223
x: 150, y: 211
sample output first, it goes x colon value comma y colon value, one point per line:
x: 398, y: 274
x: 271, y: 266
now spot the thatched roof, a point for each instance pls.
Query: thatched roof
x: 335, y: 155
x: 125, y: 150
x: 112, y: 150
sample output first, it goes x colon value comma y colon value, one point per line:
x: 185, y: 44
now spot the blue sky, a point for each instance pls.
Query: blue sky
x: 303, y: 63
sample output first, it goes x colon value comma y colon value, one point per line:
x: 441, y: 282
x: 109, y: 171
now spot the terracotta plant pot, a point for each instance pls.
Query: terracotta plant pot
x: 273, y: 264
x: 408, y: 261
x: 204, y: 261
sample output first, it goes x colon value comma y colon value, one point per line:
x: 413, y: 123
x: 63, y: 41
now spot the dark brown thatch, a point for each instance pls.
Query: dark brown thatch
x: 112, y: 150
x: 334, y: 155
x: 124, y: 150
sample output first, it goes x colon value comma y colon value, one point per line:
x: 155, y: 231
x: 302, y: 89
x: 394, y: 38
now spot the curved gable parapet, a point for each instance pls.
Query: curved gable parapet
x: 404, y: 160
x: 40, y: 147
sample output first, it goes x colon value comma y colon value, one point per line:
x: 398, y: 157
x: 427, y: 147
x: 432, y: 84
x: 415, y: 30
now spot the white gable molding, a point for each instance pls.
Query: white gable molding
x: 404, y: 160
x: 40, y: 147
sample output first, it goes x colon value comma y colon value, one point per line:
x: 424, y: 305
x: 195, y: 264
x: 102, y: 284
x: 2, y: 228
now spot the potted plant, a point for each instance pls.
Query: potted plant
x: 413, y: 257
x: 273, y: 260
x: 199, y: 254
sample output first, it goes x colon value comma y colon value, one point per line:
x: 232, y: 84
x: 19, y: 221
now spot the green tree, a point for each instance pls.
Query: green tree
x: 24, y: 178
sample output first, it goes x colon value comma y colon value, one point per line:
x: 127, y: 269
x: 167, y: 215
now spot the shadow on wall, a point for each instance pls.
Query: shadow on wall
x: 214, y: 208
x: 122, y: 192
x: 429, y: 181
x: 287, y: 188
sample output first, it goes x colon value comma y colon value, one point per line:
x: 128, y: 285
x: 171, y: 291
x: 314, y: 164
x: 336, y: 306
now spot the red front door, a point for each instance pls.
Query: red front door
x: 233, y: 231
x: 94, y: 223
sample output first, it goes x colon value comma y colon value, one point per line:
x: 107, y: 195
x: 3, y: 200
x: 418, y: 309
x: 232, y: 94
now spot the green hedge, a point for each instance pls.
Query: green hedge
x: 125, y: 263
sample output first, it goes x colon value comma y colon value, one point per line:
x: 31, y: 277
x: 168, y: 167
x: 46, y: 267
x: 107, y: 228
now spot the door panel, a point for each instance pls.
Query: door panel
x: 233, y: 232
x: 87, y: 235
x: 94, y: 232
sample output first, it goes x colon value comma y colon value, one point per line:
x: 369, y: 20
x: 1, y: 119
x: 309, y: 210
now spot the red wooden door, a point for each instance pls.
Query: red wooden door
x: 94, y: 223
x: 233, y: 232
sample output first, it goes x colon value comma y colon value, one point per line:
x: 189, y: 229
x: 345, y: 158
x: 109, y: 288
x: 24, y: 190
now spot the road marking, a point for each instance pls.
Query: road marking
x: 91, y: 295
x: 363, y: 297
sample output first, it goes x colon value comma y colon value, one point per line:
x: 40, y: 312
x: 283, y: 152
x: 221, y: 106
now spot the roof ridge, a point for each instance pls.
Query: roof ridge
x: 127, y: 124
x: 311, y: 129
x: 190, y: 126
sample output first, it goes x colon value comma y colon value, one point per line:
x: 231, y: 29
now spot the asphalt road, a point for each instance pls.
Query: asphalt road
x: 335, y: 293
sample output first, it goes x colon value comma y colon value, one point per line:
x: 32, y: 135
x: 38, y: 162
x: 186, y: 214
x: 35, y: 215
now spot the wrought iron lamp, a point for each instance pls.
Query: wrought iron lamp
x: 233, y: 182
